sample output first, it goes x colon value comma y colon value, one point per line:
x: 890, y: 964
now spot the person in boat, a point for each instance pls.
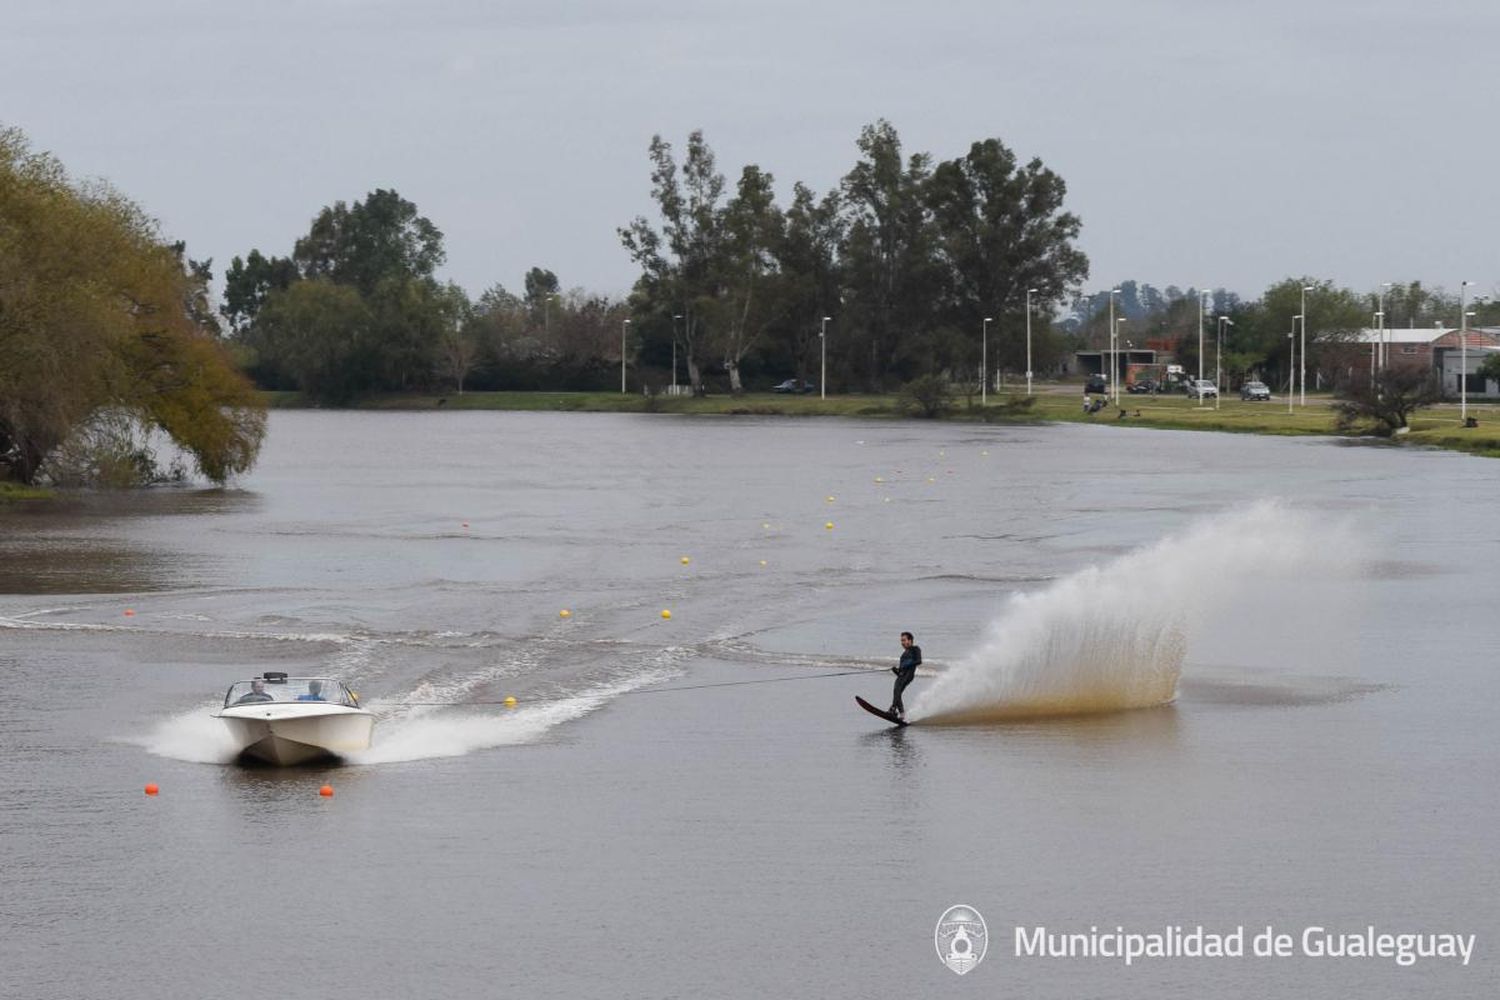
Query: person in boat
x: 257, y: 692
x: 906, y: 672
x: 314, y: 692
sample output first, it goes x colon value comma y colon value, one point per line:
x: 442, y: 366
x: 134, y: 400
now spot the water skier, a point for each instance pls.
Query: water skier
x: 906, y: 672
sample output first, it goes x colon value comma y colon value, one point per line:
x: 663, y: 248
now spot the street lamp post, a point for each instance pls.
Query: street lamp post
x: 1302, y: 355
x: 1202, y: 294
x: 1463, y: 351
x: 1385, y: 351
x: 1112, y: 332
x: 675, y: 318
x: 624, y: 328
x: 1377, y: 349
x: 984, y: 363
x: 823, y: 370
x: 1117, y: 376
x: 1219, y: 361
x: 1292, y: 359
x: 1029, y: 293
x: 547, y: 316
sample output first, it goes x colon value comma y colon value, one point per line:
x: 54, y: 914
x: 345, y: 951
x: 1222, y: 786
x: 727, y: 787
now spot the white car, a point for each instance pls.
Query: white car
x: 1201, y: 388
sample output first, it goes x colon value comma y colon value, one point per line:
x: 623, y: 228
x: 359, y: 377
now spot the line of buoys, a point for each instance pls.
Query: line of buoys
x: 151, y: 788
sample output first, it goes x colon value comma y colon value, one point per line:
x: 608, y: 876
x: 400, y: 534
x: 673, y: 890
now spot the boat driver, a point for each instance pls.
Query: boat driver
x: 257, y: 692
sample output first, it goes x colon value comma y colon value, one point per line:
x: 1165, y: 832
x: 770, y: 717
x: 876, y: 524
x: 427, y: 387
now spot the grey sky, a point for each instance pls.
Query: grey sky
x: 1213, y: 144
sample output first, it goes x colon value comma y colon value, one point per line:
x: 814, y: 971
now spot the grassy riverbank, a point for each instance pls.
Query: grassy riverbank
x: 15, y: 492
x: 1438, y: 427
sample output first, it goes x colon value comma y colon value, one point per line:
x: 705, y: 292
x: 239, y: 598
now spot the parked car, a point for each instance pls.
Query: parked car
x: 796, y: 385
x: 1096, y: 383
x: 1255, y: 390
x: 1200, y: 388
x: 1141, y: 385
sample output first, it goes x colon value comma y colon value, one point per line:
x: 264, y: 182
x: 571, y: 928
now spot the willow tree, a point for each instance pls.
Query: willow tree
x: 97, y: 318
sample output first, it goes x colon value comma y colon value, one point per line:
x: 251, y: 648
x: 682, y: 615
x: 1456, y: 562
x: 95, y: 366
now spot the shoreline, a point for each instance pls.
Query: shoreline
x: 1437, y: 427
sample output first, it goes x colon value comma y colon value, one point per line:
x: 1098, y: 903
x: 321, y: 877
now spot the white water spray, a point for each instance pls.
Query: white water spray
x: 1114, y: 637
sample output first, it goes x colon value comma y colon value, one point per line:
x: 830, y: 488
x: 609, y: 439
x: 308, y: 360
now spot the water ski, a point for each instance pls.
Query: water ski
x: 887, y: 716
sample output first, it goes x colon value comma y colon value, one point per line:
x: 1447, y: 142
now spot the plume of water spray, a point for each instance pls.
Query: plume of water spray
x: 1114, y: 637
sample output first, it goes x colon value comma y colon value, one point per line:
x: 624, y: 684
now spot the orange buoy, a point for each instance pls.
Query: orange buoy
x: 151, y: 788
x: 130, y: 612
x: 326, y: 791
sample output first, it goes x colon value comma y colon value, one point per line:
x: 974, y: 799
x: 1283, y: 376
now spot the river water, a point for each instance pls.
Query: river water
x: 1173, y: 680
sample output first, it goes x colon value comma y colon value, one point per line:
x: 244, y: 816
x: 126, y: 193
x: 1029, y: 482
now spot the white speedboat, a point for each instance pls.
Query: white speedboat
x: 288, y: 720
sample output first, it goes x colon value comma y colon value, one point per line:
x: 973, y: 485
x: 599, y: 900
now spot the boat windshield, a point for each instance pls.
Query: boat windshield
x: 313, y: 689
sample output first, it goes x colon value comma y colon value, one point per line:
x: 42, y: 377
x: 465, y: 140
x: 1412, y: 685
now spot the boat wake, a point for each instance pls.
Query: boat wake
x: 406, y: 732
x: 1115, y: 636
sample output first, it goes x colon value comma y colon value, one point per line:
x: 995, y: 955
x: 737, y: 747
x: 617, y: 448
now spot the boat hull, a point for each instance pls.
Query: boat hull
x: 285, y: 735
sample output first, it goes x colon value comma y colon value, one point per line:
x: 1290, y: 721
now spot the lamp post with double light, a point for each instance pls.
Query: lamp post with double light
x: 1029, y: 293
x: 984, y: 363
x: 823, y: 367
x: 1219, y: 360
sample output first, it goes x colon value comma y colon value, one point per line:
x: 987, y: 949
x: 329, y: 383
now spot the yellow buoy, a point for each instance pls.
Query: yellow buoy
x: 565, y: 613
x: 887, y: 499
x: 766, y: 525
x: 510, y: 701
x: 762, y: 562
x: 828, y: 526
x: 686, y: 560
x: 880, y: 479
x: 665, y: 613
x: 830, y: 499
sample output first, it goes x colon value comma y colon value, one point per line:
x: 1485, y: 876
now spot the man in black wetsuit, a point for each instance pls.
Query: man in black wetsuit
x: 906, y: 672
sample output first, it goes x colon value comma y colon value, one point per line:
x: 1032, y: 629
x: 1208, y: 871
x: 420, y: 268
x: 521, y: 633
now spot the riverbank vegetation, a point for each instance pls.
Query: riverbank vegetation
x: 103, y: 324
x: 1437, y: 427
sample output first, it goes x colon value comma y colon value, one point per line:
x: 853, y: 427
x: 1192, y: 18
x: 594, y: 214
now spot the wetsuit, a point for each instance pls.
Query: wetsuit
x: 906, y: 672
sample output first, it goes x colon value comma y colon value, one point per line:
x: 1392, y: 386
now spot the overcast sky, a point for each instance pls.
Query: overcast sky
x: 1203, y: 143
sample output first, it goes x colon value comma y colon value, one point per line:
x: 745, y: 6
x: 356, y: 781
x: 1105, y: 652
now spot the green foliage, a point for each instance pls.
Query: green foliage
x: 1490, y: 368
x: 98, y: 316
x: 927, y: 396
x: 370, y: 243
x: 1383, y: 404
x: 903, y: 257
x: 355, y: 309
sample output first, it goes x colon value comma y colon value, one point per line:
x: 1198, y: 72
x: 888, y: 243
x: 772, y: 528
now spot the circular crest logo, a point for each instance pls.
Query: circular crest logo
x: 961, y: 938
